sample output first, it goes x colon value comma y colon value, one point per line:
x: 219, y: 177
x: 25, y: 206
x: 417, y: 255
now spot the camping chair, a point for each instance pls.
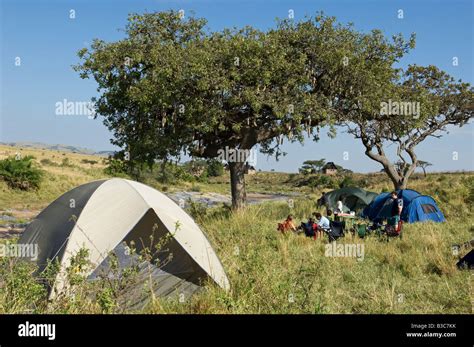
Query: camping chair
x: 362, y: 230
x: 393, y: 229
x: 466, y: 262
x: 335, y: 231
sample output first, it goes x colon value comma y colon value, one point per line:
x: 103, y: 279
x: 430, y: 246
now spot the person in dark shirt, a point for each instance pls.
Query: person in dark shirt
x: 397, y: 208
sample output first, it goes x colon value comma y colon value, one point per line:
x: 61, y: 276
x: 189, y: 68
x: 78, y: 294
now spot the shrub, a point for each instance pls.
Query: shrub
x: 66, y: 163
x: 87, y: 161
x: 196, y: 209
x: 469, y: 183
x: 362, y: 183
x: 214, y: 168
x: 115, y: 167
x: 47, y: 162
x: 347, y: 181
x: 322, y: 181
x: 19, y: 290
x: 172, y: 173
x: 20, y: 173
x: 196, y: 188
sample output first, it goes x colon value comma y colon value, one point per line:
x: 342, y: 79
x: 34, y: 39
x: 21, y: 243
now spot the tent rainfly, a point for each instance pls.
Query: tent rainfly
x: 102, y: 216
x: 416, y: 207
x: 353, y: 199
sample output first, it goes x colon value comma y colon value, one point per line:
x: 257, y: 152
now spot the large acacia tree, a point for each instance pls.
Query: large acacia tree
x: 172, y: 86
x: 439, y: 101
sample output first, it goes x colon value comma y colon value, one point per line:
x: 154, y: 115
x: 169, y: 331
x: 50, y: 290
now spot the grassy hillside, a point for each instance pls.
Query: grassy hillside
x: 274, y: 273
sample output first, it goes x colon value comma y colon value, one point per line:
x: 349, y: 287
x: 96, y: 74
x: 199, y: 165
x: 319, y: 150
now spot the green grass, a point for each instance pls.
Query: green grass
x: 414, y: 275
x: 274, y: 273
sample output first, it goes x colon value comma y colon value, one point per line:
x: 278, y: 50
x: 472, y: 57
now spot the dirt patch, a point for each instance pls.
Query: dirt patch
x: 212, y: 199
x: 14, y: 222
x: 9, y: 232
x: 18, y: 214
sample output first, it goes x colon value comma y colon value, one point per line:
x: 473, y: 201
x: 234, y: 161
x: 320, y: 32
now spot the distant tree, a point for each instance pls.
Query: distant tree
x: 424, y: 165
x: 312, y: 166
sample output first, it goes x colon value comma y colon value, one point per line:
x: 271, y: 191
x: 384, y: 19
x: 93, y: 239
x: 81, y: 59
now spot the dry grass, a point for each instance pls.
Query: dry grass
x: 274, y: 273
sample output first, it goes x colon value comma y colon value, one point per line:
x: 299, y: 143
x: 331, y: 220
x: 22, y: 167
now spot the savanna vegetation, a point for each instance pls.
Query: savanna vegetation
x: 269, y: 272
x: 170, y: 86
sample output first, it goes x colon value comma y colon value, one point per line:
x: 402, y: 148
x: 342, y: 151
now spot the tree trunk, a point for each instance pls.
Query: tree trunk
x: 400, y: 186
x: 162, y: 173
x: 400, y: 181
x: 237, y: 184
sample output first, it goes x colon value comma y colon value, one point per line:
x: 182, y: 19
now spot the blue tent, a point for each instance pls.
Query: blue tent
x: 416, y: 207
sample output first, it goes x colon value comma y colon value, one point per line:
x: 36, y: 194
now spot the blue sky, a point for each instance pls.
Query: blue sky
x: 45, y: 38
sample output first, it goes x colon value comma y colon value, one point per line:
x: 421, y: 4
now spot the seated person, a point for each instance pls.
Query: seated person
x: 329, y: 215
x: 309, y: 228
x: 322, y: 222
x: 287, y: 224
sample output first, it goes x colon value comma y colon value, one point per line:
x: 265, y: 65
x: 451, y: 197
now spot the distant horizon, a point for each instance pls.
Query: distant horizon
x: 96, y: 152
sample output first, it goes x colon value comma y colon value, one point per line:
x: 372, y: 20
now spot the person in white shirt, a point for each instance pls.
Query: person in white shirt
x: 322, y: 222
x: 339, y: 207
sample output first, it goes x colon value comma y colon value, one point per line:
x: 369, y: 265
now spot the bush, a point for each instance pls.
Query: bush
x: 87, y: 161
x: 115, y: 167
x: 66, y: 163
x: 362, y: 183
x: 469, y: 183
x: 172, y: 173
x: 20, y: 292
x: 196, y: 209
x: 196, y: 188
x: 20, y: 173
x: 47, y: 162
x: 322, y: 181
x: 347, y: 181
x: 214, y: 168
x: 197, y: 168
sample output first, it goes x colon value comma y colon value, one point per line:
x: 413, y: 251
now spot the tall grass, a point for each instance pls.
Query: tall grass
x: 274, y: 273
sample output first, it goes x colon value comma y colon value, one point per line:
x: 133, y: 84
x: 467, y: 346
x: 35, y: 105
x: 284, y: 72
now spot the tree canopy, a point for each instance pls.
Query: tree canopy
x: 172, y: 86
x: 418, y: 103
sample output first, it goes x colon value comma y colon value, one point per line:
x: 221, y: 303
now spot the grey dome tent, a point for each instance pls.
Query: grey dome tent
x: 353, y: 199
x: 108, y: 215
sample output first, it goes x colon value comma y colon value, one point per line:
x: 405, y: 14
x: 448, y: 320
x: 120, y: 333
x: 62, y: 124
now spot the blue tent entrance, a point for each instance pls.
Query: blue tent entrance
x: 416, y: 207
